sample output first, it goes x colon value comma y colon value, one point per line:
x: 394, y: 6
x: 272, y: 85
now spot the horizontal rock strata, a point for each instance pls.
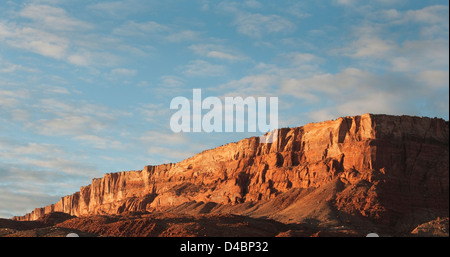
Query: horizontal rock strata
x: 389, y: 168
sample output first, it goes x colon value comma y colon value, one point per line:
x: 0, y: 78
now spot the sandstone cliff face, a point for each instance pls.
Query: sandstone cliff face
x: 389, y: 168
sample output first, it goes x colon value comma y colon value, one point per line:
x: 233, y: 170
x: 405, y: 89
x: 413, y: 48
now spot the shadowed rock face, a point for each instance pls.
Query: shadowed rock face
x: 387, y: 170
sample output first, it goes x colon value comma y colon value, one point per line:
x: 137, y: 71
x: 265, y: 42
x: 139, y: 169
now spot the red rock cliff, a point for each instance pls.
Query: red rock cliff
x: 389, y: 168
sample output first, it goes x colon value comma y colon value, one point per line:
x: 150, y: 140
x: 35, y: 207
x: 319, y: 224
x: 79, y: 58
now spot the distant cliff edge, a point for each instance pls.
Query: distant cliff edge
x: 387, y: 170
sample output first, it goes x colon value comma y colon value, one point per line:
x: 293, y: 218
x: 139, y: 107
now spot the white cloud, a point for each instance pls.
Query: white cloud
x: 111, y: 7
x: 371, y: 47
x: 418, y: 55
x: 50, y: 156
x: 44, y: 48
x: 267, y: 79
x: 12, y: 99
x: 93, y: 58
x: 35, y: 149
x: 434, y: 79
x: 377, y: 103
x: 204, y: 5
x: 312, y: 89
x: 61, y: 108
x: 119, y: 8
x: 256, y: 25
x: 170, y: 154
x: 156, y: 31
x: 15, y: 203
x: 253, y: 4
x: 170, y: 146
x: 80, y: 60
x: 7, y: 67
x: 430, y: 15
x: 100, y: 142
x: 132, y: 28
x: 251, y: 85
x: 123, y: 72
x: 304, y: 61
x: 69, y: 125
x: 376, y: 45
x: 160, y: 138
x: 171, y: 81
x: 183, y: 36
x: 51, y: 32
x: 68, y: 118
x: 53, y: 18
x: 20, y: 115
x: 357, y: 3
x: 201, y: 68
x: 48, y: 33
x: 154, y: 113
x: 35, y: 40
x: 298, y: 9
x: 221, y: 55
x: 390, y: 14
x: 216, y: 51
x: 430, y: 22
x: 61, y: 164
x: 346, y: 2
x: 354, y: 91
x: 55, y: 89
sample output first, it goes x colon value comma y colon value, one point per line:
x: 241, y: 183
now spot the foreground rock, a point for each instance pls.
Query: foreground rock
x: 43, y: 227
x: 437, y: 227
x: 373, y: 172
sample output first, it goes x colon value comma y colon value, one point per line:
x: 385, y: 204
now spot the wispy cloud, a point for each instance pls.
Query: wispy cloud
x: 370, y: 46
x: 346, y: 2
x: 171, y: 82
x: 84, y: 123
x: 171, y: 146
x: 256, y: 24
x: 100, y: 142
x: 49, y: 157
x: 374, y: 41
x: 435, y: 14
x: 45, y: 172
x: 12, y: 98
x: 51, y: 32
x: 303, y: 60
x: 155, y: 30
x: 53, y: 18
x: 35, y: 40
x: 15, y: 203
x: 92, y: 58
x: 7, y: 67
x: 155, y: 113
x: 119, y: 9
x: 46, y: 32
x: 201, y: 68
x: 183, y: 36
x: 132, y: 28
x: 69, y: 125
x: 217, y: 51
x: 354, y: 91
x: 123, y: 72
x: 251, y: 85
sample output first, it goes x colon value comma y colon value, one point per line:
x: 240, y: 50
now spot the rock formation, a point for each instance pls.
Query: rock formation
x: 392, y: 171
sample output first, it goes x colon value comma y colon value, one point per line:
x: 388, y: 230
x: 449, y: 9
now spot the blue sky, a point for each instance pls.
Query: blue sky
x: 85, y: 86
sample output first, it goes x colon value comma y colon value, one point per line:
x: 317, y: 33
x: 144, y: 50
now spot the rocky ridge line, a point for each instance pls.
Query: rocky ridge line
x: 388, y: 169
